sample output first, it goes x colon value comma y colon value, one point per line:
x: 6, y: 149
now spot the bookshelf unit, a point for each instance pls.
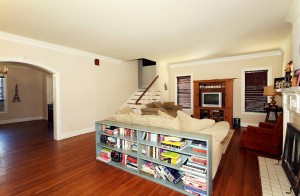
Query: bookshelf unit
x: 144, y: 146
x: 224, y: 86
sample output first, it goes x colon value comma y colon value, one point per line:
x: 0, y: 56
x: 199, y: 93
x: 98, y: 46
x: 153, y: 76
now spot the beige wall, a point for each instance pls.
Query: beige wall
x: 228, y: 68
x: 86, y: 92
x: 287, y: 50
x: 30, y: 91
x: 163, y: 71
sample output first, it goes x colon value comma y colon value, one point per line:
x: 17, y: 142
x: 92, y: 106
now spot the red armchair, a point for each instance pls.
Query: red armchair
x: 265, y: 138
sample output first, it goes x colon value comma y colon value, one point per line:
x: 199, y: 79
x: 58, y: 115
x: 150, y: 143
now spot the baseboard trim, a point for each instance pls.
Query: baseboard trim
x: 76, y: 133
x: 21, y: 120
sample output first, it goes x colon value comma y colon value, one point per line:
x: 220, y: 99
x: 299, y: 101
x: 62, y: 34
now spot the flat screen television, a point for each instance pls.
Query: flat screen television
x: 211, y: 99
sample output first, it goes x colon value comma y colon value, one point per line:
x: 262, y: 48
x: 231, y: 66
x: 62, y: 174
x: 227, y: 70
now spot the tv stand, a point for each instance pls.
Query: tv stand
x: 224, y: 113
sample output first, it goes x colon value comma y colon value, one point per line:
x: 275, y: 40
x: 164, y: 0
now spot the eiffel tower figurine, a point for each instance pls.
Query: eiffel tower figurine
x: 16, y: 97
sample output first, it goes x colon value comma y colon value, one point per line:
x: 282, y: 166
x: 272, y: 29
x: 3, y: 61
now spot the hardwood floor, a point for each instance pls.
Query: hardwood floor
x: 33, y: 163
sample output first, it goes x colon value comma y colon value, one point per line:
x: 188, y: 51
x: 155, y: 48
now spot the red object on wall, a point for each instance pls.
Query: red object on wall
x: 97, y: 62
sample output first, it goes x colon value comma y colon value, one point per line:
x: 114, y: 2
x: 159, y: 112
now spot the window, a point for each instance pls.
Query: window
x: 2, y: 93
x: 184, y: 91
x: 255, y: 81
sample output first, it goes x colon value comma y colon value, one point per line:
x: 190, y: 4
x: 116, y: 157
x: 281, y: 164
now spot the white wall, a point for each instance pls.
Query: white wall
x: 229, y: 67
x: 87, y: 93
x: 30, y: 92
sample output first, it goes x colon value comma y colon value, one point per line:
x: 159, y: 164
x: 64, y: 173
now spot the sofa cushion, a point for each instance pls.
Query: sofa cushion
x: 168, y: 105
x: 125, y: 110
x: 172, y: 124
x: 165, y: 115
x: 219, y: 131
x: 154, y: 120
x: 188, y: 123
x: 125, y: 118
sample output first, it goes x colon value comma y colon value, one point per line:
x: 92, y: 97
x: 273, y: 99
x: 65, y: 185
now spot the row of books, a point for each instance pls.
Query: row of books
x: 157, y: 171
x: 113, y: 130
x: 195, y: 175
x: 199, y: 146
x: 104, y: 155
x: 108, y: 155
x: 162, y: 154
x: 118, y: 143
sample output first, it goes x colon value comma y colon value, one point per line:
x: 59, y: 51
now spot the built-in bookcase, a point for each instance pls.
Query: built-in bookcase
x: 136, y: 148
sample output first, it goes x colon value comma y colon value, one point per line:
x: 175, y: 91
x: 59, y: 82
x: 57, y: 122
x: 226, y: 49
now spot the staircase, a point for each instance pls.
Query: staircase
x: 150, y: 96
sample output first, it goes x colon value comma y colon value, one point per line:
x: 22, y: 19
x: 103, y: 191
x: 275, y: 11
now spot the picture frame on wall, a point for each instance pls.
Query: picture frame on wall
x: 279, y: 83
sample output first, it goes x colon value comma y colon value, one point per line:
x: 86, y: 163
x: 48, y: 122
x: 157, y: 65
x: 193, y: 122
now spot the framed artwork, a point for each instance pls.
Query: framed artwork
x: 278, y: 83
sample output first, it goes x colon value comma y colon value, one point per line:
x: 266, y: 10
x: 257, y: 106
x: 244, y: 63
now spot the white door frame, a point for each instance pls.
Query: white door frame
x: 56, y: 90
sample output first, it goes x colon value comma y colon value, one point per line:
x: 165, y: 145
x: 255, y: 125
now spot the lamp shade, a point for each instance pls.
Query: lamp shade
x: 269, y: 91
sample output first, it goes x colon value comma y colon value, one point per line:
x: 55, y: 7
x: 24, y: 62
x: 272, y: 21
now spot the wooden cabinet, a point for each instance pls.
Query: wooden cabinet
x: 219, y: 109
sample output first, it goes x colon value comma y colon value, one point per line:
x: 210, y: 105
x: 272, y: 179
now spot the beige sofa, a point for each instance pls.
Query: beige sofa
x: 167, y: 107
x: 183, y: 122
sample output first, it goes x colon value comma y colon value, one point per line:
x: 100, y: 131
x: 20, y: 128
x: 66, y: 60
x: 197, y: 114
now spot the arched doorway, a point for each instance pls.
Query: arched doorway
x: 56, y: 88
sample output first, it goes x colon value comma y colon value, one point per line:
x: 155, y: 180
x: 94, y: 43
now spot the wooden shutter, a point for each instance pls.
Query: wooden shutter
x: 254, y: 90
x: 184, y: 91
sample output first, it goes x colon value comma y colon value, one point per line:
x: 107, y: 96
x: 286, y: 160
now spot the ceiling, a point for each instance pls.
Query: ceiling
x: 170, y: 31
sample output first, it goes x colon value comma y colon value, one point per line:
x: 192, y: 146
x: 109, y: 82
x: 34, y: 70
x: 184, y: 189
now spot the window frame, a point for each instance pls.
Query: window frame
x: 269, y: 82
x: 5, y: 95
x: 191, y: 91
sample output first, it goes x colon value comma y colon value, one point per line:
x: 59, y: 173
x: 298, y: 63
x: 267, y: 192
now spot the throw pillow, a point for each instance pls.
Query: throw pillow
x: 188, y: 123
x: 150, y: 105
x: 158, y: 104
x: 139, y: 119
x: 168, y: 105
x: 172, y: 124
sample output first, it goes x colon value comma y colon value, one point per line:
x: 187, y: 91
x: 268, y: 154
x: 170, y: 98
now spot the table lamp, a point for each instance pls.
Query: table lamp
x: 269, y: 91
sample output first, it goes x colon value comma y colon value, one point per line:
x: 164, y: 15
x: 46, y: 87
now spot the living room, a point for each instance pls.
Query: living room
x: 84, y: 92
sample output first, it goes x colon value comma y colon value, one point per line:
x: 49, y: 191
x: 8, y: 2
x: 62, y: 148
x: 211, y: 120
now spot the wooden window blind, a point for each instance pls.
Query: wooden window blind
x: 184, y: 91
x: 254, y: 90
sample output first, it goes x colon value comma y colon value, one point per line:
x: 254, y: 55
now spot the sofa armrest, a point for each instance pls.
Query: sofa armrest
x: 266, y: 125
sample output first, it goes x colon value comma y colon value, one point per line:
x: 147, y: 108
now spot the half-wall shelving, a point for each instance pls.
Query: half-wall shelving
x: 136, y: 148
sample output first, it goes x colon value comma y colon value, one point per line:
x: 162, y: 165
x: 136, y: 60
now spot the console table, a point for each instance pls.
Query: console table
x: 272, y: 108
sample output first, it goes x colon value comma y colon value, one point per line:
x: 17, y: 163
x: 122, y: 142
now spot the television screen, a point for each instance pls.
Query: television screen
x: 211, y: 99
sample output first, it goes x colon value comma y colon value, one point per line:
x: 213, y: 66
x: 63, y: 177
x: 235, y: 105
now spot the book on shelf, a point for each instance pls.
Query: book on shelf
x: 171, y: 161
x: 172, y: 175
x: 203, y: 151
x: 199, y: 143
x: 198, y: 160
x: 127, y: 132
x: 194, y: 191
x: 170, y: 154
x: 174, y: 145
x: 104, y: 154
x: 193, y: 169
x: 153, y: 137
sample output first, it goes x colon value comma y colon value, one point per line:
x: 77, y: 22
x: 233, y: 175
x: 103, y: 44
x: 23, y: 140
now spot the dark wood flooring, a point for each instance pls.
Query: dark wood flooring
x: 32, y: 163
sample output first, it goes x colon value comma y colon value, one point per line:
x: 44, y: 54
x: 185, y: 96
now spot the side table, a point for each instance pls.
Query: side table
x: 272, y: 108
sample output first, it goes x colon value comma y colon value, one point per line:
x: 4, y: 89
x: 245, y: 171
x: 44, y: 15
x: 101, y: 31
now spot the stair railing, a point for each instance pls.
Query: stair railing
x: 150, y: 85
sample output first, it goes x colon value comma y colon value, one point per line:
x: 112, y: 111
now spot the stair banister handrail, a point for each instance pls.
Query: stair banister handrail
x: 150, y: 85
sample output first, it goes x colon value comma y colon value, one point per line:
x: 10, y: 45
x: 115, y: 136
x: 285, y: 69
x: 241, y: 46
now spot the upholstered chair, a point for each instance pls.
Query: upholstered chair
x: 265, y: 138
